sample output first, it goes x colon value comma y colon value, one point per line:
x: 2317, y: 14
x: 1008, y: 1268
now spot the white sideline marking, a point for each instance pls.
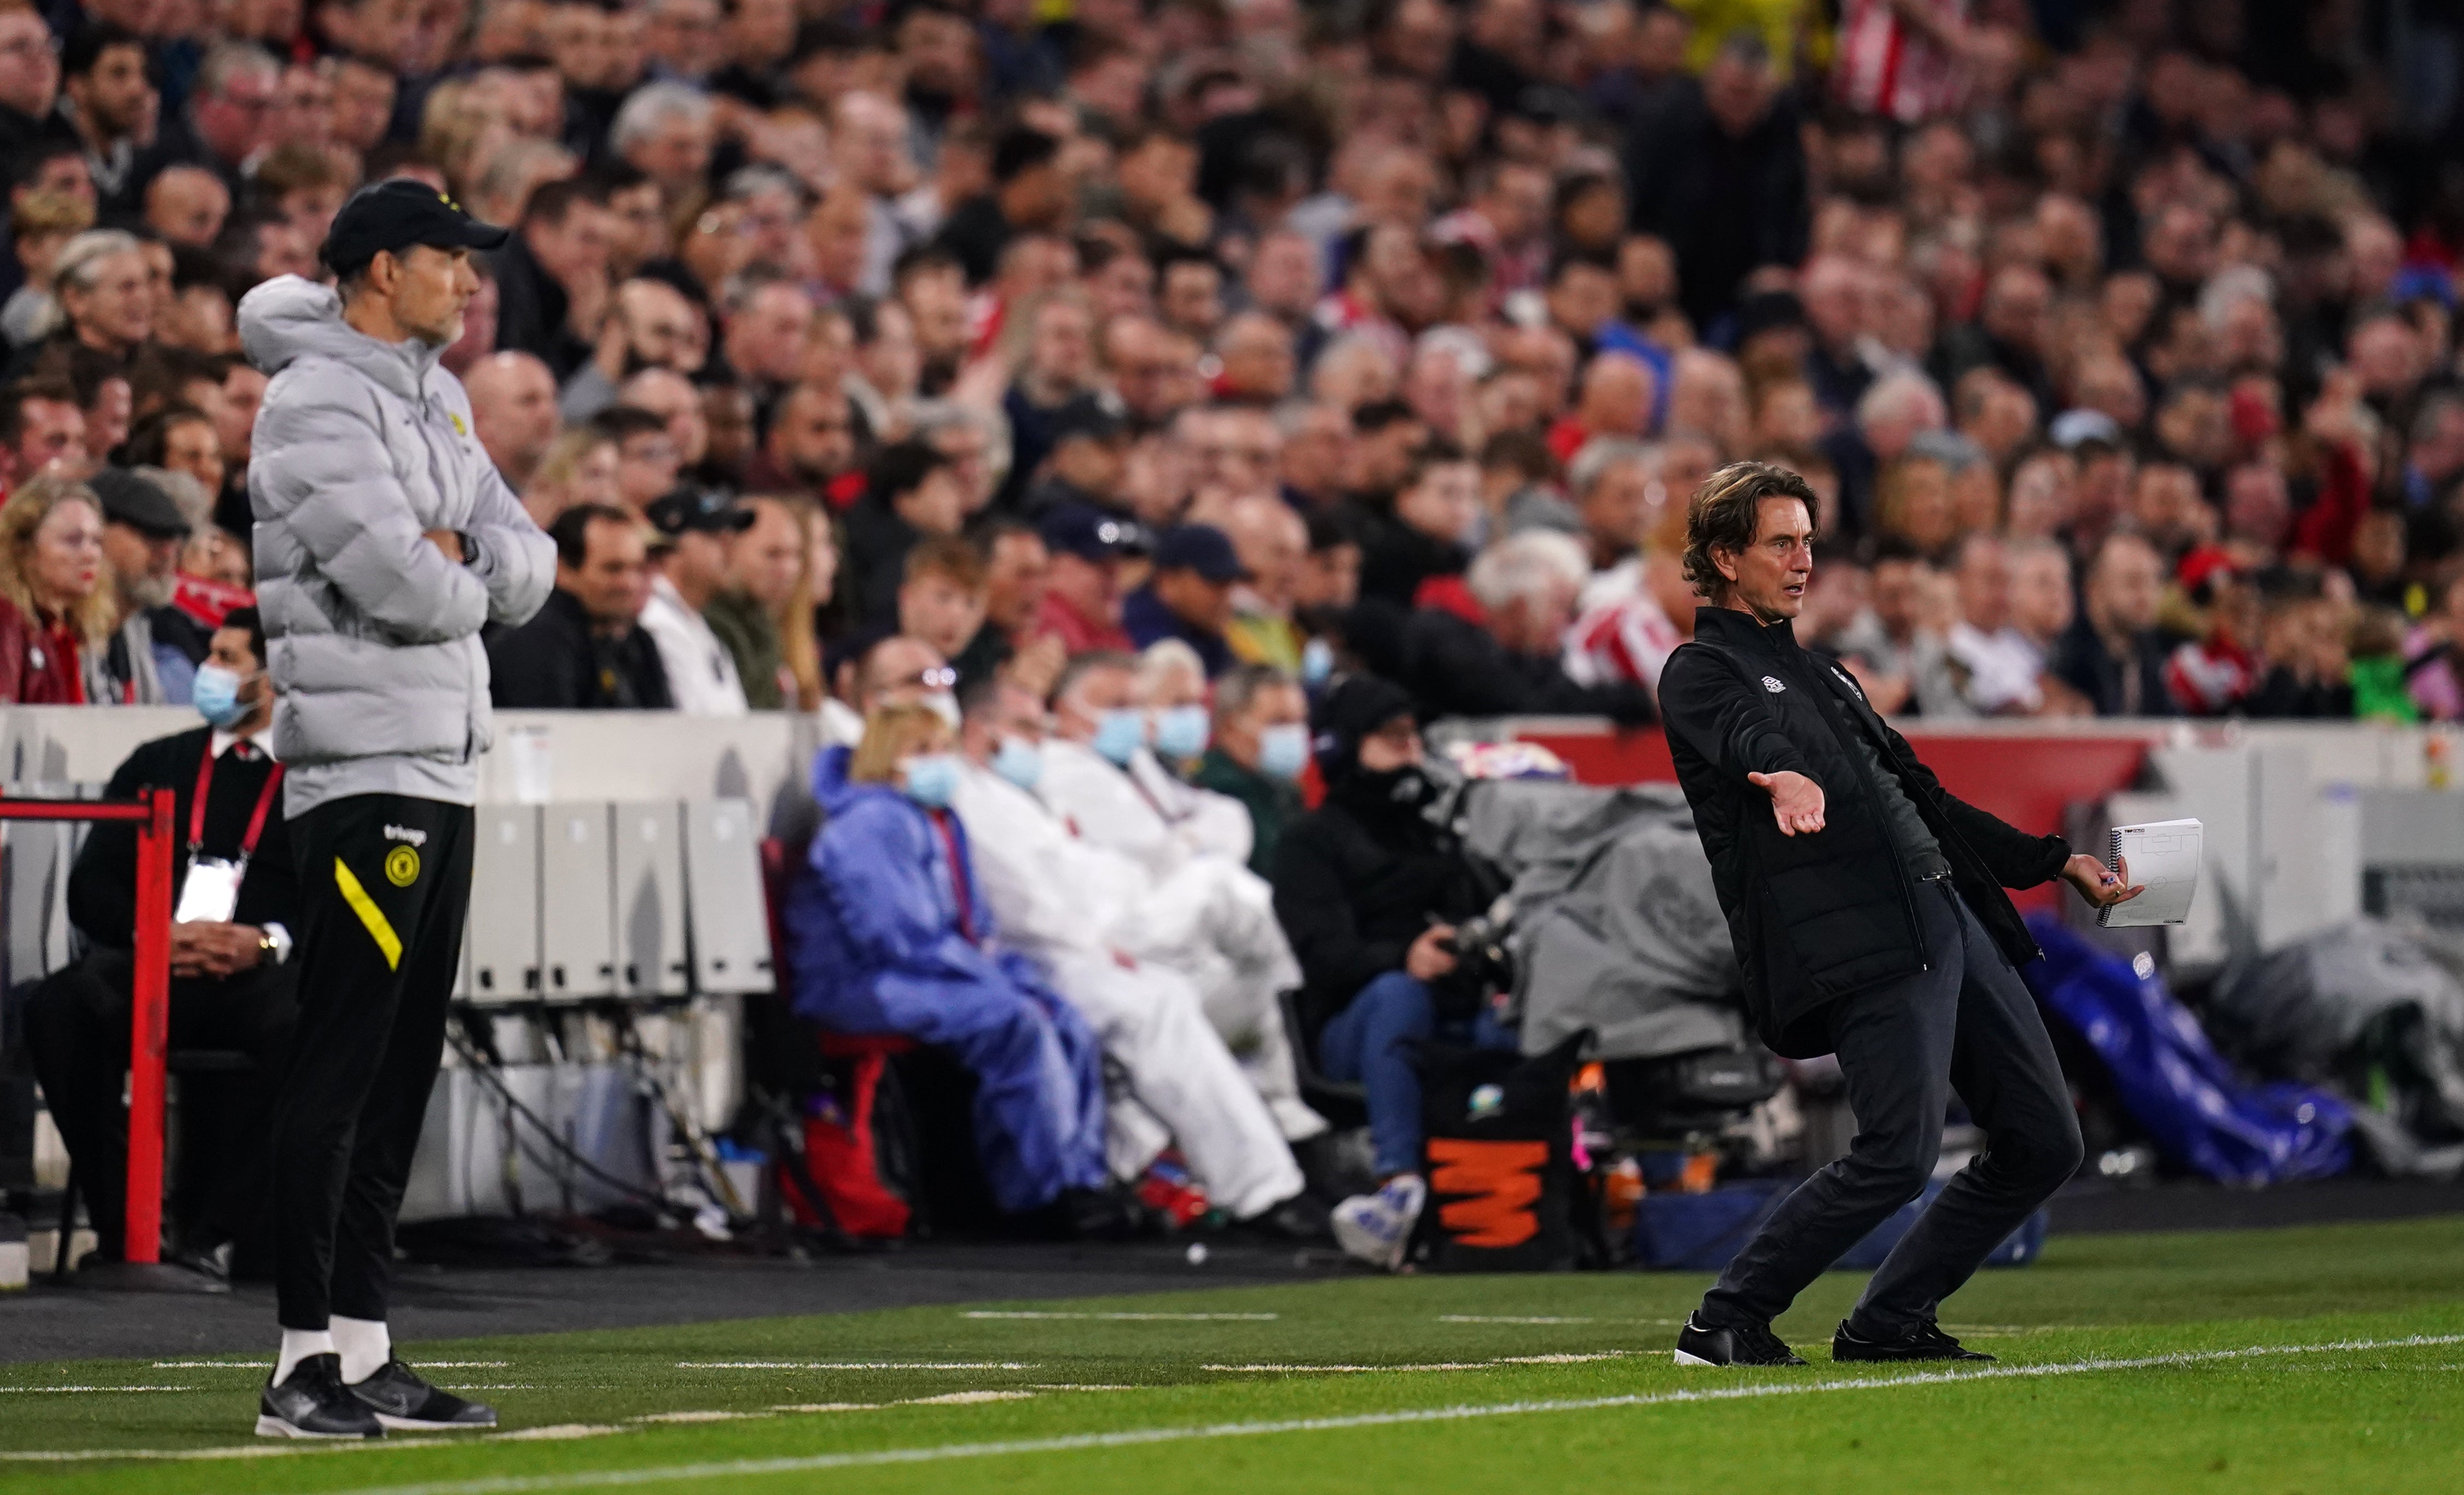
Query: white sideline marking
x: 1449, y: 1364
x: 518, y: 1484
x: 45, y: 1390
x: 738, y: 1468
x: 1137, y: 1318
x: 854, y: 1365
x: 967, y: 1398
x: 1548, y: 1318
x: 268, y: 1364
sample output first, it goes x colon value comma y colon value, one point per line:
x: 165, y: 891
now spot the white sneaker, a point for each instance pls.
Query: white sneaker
x: 1377, y: 1227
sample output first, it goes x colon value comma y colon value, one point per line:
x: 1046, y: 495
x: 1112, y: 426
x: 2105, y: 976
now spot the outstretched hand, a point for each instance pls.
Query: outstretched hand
x: 2102, y: 888
x: 1797, y: 800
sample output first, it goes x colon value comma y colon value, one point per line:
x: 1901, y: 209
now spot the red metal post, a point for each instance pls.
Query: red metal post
x: 149, y: 1030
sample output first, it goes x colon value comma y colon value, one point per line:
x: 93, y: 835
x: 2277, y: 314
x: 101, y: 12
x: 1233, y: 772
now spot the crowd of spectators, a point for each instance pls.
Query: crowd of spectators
x: 1142, y: 365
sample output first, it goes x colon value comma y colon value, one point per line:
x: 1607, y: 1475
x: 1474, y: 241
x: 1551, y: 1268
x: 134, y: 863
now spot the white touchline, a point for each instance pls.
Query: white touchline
x: 738, y: 1468
x: 854, y: 1365
x: 1136, y: 1318
x: 23, y: 1390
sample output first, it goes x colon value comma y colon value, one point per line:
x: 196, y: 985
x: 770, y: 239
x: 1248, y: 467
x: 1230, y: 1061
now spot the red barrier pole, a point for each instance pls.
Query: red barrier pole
x: 149, y: 1031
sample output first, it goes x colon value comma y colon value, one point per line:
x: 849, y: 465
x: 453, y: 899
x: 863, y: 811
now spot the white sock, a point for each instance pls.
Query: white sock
x: 364, y: 1345
x: 297, y: 1345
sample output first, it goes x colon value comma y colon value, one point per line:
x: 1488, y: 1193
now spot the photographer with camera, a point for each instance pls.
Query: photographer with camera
x: 1372, y: 893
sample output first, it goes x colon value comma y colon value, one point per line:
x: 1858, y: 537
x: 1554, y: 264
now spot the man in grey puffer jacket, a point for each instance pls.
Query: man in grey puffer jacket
x: 384, y: 542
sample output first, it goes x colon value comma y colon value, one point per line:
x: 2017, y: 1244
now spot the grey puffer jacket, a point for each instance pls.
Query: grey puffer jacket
x: 359, y: 447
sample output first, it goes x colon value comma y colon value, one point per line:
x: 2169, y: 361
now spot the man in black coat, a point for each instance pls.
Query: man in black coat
x: 585, y: 650
x: 1369, y: 891
x: 1722, y: 177
x: 1867, y: 910
x: 231, y: 985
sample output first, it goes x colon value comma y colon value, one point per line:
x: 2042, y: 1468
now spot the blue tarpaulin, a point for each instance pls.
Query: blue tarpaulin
x: 2197, y: 1110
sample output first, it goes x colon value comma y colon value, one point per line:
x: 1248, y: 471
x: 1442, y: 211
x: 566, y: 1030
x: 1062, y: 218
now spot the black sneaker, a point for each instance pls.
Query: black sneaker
x: 1924, y: 1342
x: 1300, y: 1220
x: 403, y: 1401
x: 1753, y: 1344
x: 312, y: 1402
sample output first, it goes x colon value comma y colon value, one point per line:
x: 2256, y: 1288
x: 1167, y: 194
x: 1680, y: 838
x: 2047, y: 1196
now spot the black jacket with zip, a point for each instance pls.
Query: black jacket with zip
x: 1815, y: 917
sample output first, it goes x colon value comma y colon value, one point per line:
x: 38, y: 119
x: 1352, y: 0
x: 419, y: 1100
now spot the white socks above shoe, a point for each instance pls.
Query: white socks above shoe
x: 364, y: 1345
x: 297, y: 1345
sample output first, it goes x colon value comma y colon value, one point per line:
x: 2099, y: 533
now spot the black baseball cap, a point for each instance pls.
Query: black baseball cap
x: 1201, y: 548
x: 397, y: 213
x: 1089, y: 532
x: 707, y: 511
x: 1087, y: 415
x: 138, y: 504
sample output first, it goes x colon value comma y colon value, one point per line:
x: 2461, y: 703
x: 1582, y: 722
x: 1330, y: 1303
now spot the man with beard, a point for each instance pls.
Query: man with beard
x: 651, y: 325
x: 154, y: 656
x: 810, y: 447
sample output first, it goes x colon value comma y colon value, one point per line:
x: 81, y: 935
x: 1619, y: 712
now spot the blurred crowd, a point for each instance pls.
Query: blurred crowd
x: 852, y: 349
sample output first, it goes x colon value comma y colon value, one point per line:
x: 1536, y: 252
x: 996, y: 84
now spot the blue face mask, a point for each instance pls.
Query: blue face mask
x: 930, y: 779
x: 1019, y: 761
x: 1182, y: 732
x: 1120, y: 733
x: 1317, y: 662
x: 1282, y: 750
x: 215, y: 693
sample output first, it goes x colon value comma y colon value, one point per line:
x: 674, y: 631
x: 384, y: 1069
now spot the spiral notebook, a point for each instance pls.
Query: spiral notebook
x: 2164, y: 858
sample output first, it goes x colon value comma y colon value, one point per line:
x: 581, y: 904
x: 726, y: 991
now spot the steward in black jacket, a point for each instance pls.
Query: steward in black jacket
x: 1867, y: 910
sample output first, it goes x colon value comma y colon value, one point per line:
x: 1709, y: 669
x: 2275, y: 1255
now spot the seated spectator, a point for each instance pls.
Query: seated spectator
x: 1999, y: 668
x: 888, y: 931
x: 231, y: 980
x: 1518, y: 482
x: 1095, y: 924
x: 1171, y: 689
x: 580, y: 468
x: 757, y: 611
x: 1370, y: 891
x: 1082, y: 599
x: 2041, y: 610
x: 1271, y: 541
x: 1430, y: 531
x: 648, y: 462
x: 1189, y: 595
x: 893, y: 670
x: 40, y: 422
x: 2214, y: 673
x: 1511, y: 663
x: 2304, y: 657
x: 942, y: 599
x: 1260, y: 750
x: 1915, y: 505
x: 2433, y: 656
x: 157, y: 648
x: 811, y: 446
x: 57, y: 611
x: 512, y: 412
x: 2114, y: 655
x: 1899, y: 661
x: 1018, y: 572
x: 697, y: 525
x: 585, y: 650
x: 911, y: 491
x: 1101, y: 773
x: 1087, y: 462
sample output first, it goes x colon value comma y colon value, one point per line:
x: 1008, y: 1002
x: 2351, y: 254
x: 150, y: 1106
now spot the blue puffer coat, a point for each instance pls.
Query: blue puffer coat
x: 888, y: 931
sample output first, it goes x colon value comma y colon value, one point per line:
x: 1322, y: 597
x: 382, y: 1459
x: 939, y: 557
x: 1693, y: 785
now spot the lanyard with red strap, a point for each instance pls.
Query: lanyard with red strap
x: 940, y: 820
x: 255, y: 820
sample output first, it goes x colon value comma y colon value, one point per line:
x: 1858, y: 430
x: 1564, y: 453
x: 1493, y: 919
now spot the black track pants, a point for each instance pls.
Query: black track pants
x: 386, y: 884
x: 1968, y: 1022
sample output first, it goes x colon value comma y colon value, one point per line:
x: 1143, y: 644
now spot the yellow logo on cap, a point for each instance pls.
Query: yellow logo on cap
x: 402, y: 867
x: 449, y: 202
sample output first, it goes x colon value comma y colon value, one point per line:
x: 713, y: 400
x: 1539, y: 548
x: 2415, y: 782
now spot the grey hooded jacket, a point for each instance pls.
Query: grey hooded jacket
x: 374, y: 635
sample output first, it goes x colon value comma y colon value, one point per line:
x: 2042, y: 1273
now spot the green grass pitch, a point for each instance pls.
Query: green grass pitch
x: 2285, y: 1362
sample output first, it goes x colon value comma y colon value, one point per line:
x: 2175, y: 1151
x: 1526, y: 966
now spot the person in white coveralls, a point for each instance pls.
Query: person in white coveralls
x: 1075, y: 909
x: 1206, y: 914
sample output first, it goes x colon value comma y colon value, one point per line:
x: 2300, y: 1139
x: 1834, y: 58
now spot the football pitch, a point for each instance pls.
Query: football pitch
x: 2256, y: 1363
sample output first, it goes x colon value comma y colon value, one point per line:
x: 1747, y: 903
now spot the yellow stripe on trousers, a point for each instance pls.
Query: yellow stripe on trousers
x: 380, y: 929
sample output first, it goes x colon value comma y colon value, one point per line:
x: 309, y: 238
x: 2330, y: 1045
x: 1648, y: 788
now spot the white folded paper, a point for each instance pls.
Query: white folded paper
x: 2163, y: 857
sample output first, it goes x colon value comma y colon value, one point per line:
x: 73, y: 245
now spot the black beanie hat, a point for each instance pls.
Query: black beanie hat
x: 1353, y: 706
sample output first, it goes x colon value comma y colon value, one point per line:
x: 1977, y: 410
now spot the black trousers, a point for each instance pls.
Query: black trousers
x: 1967, y: 1023
x: 386, y: 882
x: 76, y: 1034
